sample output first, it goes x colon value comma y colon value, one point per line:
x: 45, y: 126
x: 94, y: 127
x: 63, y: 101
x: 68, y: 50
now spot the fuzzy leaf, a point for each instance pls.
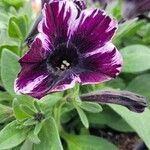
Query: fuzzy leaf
x: 139, y: 122
x: 91, y: 107
x: 141, y: 85
x: 49, y: 137
x: 88, y: 142
x: 12, y: 136
x: 9, y: 70
x: 17, y: 102
x: 18, y: 27
x: 136, y: 58
x: 83, y: 117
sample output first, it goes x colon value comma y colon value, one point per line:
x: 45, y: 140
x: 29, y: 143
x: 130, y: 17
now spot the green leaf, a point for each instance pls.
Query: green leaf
x: 29, y: 122
x: 87, y: 142
x: 27, y: 110
x: 17, y: 102
x: 33, y: 138
x: 114, y: 9
x: 18, y: 27
x: 4, y: 96
x: 47, y: 102
x: 135, y: 58
x: 146, y: 34
x: 37, y: 106
x: 66, y: 111
x: 27, y: 9
x: 135, y: 28
x: 141, y: 85
x: 91, y: 107
x: 5, y: 112
x: 108, y: 118
x: 82, y: 116
x: 50, y: 100
x: 12, y: 136
x: 88, y: 88
x: 15, y: 3
x: 6, y: 41
x: 116, y: 83
x: 49, y: 137
x: 4, y: 19
x: 37, y: 128
x: 9, y: 70
x: 19, y: 114
x: 27, y: 145
x: 13, y: 48
x: 139, y: 122
x: 123, y: 29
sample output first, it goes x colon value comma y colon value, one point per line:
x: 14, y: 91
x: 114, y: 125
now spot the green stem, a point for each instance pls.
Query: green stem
x: 20, y: 49
x: 71, y: 96
x: 57, y: 113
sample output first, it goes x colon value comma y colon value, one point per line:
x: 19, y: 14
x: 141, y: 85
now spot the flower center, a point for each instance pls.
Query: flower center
x: 64, y: 57
x: 65, y: 65
x: 39, y: 116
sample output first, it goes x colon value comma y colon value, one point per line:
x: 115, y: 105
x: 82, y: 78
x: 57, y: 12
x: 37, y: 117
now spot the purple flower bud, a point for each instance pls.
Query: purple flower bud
x: 132, y: 101
x: 70, y: 47
x: 133, y: 8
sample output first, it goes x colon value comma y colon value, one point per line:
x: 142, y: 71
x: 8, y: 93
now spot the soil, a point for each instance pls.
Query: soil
x: 124, y: 141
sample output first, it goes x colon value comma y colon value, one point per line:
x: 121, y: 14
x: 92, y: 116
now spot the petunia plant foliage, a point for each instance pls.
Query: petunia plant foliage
x: 69, y: 70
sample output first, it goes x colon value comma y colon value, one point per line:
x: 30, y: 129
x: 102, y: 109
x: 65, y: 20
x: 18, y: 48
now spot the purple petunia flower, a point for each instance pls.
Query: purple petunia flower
x: 80, y: 4
x: 70, y: 47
